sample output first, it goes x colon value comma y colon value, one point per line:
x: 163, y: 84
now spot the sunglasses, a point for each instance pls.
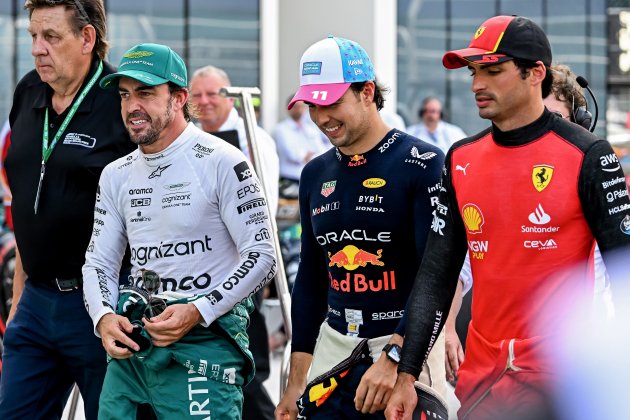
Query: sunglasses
x: 151, y: 283
x: 77, y: 5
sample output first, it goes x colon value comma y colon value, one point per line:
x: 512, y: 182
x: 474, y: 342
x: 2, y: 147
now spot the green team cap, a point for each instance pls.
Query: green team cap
x: 151, y: 64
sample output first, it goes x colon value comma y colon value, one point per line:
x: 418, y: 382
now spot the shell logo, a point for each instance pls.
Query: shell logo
x: 374, y: 183
x: 473, y: 218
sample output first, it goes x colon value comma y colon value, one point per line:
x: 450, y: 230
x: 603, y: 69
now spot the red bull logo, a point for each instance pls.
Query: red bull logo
x: 358, y: 283
x: 351, y: 257
x: 357, y: 160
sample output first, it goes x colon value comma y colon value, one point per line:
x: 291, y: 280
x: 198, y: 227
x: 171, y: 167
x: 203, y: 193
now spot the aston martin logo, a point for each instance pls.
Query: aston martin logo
x: 541, y: 176
x: 138, y: 54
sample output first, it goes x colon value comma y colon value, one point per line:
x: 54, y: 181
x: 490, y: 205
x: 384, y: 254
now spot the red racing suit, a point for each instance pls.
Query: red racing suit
x: 528, y: 204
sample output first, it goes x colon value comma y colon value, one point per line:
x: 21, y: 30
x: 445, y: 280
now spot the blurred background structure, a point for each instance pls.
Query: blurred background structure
x: 259, y: 43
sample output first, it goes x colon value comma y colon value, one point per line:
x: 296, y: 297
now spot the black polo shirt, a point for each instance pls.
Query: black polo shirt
x: 53, y: 242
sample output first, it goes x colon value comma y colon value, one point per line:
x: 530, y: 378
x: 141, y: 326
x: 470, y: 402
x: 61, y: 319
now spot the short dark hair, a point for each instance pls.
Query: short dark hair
x: 379, y: 92
x: 85, y: 12
x: 525, y: 65
x: 189, y: 112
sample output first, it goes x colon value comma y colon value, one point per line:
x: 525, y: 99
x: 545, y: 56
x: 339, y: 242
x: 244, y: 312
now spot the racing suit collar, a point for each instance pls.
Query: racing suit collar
x: 525, y: 134
x: 173, y: 149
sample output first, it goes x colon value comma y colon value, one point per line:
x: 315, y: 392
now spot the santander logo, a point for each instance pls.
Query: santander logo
x: 539, y: 217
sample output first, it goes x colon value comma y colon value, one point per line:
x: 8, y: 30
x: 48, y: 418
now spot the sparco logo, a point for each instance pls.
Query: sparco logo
x: 140, y: 191
x: 242, y: 271
x: 379, y: 316
x: 143, y: 254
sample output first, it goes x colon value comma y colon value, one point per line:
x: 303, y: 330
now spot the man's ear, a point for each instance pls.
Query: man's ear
x: 180, y: 96
x: 538, y: 73
x: 88, y: 34
x: 367, y: 94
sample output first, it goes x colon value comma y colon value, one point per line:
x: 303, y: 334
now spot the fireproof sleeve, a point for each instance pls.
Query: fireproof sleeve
x: 310, y: 292
x: 604, y: 197
x: 436, y: 280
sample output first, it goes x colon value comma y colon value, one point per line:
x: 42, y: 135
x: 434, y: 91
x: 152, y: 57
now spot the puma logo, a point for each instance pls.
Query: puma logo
x: 462, y: 168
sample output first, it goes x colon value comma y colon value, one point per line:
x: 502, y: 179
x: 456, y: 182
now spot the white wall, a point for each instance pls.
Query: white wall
x: 300, y: 23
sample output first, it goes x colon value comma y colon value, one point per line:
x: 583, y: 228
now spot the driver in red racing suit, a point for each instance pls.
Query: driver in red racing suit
x: 528, y: 198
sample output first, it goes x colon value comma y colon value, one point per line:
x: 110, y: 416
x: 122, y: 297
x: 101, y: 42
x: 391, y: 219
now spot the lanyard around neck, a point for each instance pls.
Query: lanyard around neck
x: 47, y: 148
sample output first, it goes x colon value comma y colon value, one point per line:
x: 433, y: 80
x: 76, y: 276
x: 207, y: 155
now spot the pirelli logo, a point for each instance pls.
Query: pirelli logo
x: 251, y: 204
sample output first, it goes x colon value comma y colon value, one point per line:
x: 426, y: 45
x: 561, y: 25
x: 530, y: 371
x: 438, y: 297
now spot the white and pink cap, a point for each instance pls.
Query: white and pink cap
x: 327, y: 69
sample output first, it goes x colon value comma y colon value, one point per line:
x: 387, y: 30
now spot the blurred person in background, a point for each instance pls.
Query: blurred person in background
x: 216, y: 115
x: 432, y: 128
x: 297, y: 143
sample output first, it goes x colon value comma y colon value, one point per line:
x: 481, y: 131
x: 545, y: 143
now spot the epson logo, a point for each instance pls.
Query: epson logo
x: 140, y: 202
x: 249, y: 189
x: 135, y: 191
x: 380, y: 316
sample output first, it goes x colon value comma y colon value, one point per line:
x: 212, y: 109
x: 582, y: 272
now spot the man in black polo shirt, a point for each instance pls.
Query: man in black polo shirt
x: 64, y: 131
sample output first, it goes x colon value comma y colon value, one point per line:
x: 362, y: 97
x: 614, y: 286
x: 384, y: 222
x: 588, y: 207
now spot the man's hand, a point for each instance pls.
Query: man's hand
x: 287, y: 407
x: 299, y: 365
x: 376, y: 386
x: 172, y: 324
x: 403, y: 400
x: 112, y: 328
x: 454, y: 353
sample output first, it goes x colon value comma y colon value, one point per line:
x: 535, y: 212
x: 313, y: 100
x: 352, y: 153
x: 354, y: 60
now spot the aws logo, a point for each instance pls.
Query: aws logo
x: 351, y: 258
x: 473, y: 218
x: 374, y: 183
